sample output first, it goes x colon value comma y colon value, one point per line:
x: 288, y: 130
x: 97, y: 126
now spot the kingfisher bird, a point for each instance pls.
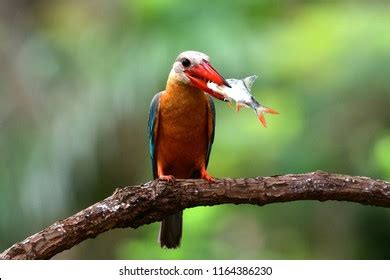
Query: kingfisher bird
x: 181, y: 129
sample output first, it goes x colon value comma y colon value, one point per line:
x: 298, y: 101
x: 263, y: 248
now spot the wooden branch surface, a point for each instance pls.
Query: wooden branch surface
x: 144, y: 204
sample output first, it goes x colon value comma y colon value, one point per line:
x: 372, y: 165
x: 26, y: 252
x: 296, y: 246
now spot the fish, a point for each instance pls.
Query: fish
x: 240, y: 92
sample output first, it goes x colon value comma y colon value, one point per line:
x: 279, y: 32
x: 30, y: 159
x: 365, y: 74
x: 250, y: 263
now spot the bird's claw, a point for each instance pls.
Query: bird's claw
x: 206, y: 176
x: 169, y: 178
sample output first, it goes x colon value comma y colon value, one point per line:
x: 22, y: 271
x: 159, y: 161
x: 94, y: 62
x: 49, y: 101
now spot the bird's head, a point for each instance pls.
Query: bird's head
x: 193, y: 68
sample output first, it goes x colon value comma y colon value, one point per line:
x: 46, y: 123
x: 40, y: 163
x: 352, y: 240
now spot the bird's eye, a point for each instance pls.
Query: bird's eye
x: 185, y: 62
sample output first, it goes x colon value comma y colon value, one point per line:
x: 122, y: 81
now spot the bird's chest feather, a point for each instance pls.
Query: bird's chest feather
x: 183, y: 125
x: 184, y: 117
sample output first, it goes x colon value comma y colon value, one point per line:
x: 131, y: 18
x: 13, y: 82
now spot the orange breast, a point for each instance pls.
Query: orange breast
x: 182, y: 138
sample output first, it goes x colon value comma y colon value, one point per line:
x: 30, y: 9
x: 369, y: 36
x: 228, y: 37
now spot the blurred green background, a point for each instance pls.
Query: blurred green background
x: 77, y: 78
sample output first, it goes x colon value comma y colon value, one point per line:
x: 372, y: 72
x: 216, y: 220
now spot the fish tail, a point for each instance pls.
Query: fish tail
x: 260, y: 110
x: 270, y: 111
x: 260, y: 115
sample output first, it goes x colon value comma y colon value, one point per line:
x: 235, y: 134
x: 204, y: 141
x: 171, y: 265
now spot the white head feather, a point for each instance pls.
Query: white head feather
x: 184, y: 61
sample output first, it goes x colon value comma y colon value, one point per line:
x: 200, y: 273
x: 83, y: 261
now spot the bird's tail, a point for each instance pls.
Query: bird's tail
x: 260, y: 110
x: 170, y: 231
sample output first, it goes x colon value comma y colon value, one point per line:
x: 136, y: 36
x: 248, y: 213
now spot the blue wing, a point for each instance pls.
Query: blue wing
x: 211, y: 128
x: 152, y: 129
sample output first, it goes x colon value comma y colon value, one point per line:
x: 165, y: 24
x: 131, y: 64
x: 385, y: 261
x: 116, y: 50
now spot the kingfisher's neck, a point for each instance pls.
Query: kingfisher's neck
x: 177, y: 89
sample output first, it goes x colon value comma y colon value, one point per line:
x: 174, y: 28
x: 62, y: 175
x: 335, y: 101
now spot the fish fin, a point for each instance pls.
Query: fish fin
x: 238, y: 107
x: 248, y: 81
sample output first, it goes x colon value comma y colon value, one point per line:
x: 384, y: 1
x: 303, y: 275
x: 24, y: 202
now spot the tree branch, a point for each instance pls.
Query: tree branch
x: 144, y: 204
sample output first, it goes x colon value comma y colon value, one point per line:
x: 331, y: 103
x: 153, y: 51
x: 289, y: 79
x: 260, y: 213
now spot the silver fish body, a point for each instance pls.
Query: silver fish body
x: 240, y: 92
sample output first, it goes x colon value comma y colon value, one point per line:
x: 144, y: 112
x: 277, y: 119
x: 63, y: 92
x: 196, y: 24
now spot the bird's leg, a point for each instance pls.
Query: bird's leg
x: 206, y: 176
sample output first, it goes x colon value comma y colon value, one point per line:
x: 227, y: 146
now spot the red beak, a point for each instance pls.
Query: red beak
x: 202, y: 73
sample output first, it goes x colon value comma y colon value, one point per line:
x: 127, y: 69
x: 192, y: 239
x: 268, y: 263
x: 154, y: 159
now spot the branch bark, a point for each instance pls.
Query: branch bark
x: 147, y: 203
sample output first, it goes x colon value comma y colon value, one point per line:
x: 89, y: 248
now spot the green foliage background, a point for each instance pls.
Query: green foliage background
x: 77, y: 77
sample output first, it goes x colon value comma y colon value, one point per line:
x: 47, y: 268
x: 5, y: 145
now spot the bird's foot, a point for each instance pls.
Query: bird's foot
x: 168, y: 178
x: 206, y: 176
